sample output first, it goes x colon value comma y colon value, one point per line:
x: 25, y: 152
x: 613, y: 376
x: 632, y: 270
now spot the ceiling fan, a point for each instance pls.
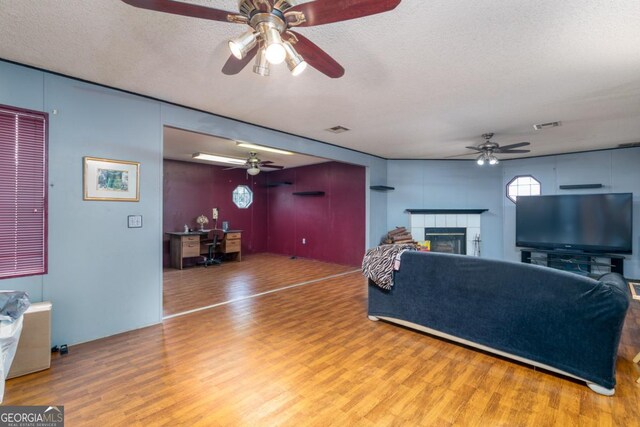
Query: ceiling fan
x: 270, y: 37
x: 253, y: 164
x: 488, y: 149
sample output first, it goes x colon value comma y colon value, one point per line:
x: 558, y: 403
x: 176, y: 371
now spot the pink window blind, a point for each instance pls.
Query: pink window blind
x: 23, y: 192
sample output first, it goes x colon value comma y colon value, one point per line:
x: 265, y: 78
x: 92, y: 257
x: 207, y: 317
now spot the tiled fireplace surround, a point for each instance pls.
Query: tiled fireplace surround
x: 421, y: 219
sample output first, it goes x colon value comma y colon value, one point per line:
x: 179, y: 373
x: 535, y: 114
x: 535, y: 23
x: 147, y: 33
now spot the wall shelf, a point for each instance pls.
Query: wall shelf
x: 381, y: 188
x: 279, y: 184
x: 446, y: 211
x: 309, y: 193
x: 580, y: 186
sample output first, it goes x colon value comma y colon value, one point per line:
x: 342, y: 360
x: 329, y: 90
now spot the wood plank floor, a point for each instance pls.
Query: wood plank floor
x: 308, y: 356
x: 196, y: 287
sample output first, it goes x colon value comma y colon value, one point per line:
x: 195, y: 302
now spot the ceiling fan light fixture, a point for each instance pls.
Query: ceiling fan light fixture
x: 261, y: 66
x: 493, y: 160
x: 480, y: 160
x: 275, y: 53
x: 274, y: 49
x: 242, y: 44
x: 253, y: 170
x: 295, y: 62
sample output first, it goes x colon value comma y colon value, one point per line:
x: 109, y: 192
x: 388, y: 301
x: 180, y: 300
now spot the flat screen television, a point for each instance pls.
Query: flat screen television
x: 600, y: 223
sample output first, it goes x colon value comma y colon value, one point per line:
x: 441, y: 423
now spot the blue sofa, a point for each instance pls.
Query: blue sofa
x: 559, y: 321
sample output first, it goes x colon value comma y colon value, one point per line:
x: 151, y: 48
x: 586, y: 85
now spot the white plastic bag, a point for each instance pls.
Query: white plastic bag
x: 9, y: 336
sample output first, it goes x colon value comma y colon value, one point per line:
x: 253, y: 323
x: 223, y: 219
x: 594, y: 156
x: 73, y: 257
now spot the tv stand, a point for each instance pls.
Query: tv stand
x: 573, y: 261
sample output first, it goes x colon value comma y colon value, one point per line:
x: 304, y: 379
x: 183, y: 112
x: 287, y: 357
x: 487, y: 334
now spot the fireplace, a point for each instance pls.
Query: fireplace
x: 454, y: 231
x: 451, y: 240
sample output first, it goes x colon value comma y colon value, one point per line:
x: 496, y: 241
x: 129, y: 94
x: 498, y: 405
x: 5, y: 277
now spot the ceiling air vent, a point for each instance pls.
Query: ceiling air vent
x: 546, y: 125
x: 629, y: 145
x: 338, y: 129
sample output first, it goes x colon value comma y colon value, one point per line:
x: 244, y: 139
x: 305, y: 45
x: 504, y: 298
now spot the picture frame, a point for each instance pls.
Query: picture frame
x: 111, y: 180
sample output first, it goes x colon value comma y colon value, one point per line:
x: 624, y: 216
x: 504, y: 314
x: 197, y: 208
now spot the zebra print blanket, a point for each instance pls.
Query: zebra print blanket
x: 379, y: 263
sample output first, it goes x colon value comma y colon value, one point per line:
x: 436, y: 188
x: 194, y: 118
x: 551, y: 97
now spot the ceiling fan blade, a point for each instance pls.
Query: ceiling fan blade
x: 234, y: 167
x: 235, y: 65
x: 265, y: 162
x: 316, y: 57
x: 514, y: 151
x: 322, y: 12
x: 186, y: 9
x: 508, y: 147
x: 474, y: 148
x: 272, y: 166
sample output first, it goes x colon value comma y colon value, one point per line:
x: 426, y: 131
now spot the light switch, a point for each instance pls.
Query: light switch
x: 135, y: 221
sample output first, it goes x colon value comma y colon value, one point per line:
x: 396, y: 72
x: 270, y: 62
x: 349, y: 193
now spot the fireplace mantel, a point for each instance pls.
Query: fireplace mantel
x: 446, y: 211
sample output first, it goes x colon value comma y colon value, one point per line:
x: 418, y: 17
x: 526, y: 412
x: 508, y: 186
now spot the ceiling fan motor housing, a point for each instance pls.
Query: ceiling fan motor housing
x: 258, y: 11
x: 488, y: 146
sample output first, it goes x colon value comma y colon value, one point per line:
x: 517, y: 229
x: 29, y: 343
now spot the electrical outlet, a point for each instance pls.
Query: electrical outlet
x: 304, y: 241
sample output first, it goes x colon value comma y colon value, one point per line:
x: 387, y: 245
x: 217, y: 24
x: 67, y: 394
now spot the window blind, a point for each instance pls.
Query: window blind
x: 23, y: 192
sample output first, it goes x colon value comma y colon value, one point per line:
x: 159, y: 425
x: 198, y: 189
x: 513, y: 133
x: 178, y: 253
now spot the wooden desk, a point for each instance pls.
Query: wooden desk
x: 232, y: 244
x: 188, y: 245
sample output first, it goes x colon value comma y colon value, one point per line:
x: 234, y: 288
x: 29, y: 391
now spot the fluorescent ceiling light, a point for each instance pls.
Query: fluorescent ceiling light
x: 261, y: 148
x: 216, y: 158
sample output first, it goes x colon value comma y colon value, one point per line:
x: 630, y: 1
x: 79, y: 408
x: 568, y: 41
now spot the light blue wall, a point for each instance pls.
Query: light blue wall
x: 464, y: 185
x: 617, y: 170
x: 103, y: 277
x: 433, y: 184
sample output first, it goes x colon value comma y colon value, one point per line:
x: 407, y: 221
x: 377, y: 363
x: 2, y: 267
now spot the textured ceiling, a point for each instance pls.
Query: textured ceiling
x: 422, y: 81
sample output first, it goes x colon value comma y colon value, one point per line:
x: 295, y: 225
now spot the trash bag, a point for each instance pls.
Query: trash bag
x: 13, y: 304
x: 9, y: 336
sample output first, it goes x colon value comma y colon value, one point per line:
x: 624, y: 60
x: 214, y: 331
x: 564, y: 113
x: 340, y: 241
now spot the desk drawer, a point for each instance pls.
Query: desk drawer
x: 190, y: 249
x: 232, y: 236
x: 232, y: 246
x: 186, y: 239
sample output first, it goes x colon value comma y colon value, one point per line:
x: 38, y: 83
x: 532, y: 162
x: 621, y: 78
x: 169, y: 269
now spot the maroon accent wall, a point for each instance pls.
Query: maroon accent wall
x: 333, y: 225
x: 192, y: 189
x: 277, y: 221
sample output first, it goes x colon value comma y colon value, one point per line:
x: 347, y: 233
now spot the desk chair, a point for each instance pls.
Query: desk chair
x: 214, y: 239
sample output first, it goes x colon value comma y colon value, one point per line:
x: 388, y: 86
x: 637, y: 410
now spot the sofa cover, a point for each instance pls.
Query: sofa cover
x: 552, y: 318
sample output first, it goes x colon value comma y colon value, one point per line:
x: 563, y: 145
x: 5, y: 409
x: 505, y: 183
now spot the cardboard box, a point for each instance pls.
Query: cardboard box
x: 34, y: 347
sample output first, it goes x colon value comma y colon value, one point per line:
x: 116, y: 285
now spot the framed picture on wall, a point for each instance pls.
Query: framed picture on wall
x: 111, y: 180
